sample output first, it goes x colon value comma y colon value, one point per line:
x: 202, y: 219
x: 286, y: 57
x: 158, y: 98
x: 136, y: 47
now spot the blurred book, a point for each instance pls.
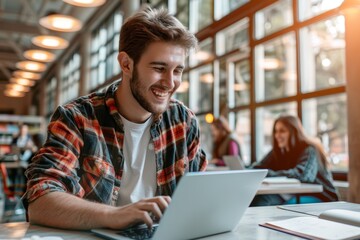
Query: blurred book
x: 331, y: 224
x: 280, y: 180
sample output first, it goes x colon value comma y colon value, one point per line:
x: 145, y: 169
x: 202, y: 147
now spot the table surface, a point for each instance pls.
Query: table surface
x: 289, y: 188
x: 248, y: 228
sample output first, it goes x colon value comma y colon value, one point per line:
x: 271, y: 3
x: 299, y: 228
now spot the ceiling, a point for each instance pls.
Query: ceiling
x: 19, y: 23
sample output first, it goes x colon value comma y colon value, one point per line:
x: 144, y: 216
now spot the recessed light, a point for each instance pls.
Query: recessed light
x: 50, y: 42
x: 31, y: 66
x: 62, y: 23
x: 22, y: 81
x: 28, y: 75
x: 39, y: 55
x: 85, y: 3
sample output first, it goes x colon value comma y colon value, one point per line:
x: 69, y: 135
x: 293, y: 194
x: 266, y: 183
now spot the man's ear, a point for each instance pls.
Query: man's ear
x: 126, y: 63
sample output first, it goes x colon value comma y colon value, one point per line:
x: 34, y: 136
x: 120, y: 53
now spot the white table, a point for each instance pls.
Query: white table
x: 248, y: 228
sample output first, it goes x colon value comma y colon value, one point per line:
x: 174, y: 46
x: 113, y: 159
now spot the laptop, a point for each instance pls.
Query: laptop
x: 203, y: 204
x: 234, y: 162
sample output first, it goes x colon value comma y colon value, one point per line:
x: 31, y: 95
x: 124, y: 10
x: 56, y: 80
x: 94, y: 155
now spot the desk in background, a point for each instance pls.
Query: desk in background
x: 289, y: 189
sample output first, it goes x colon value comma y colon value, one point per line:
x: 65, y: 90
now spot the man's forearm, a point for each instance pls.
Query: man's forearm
x: 62, y: 210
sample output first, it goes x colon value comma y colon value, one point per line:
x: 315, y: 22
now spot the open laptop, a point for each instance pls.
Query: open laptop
x: 234, y: 162
x: 203, y: 204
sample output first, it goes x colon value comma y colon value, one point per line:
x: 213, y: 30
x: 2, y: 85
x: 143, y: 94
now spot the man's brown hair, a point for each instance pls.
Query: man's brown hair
x: 153, y: 25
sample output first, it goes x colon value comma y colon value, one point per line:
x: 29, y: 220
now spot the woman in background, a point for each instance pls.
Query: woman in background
x: 295, y: 155
x: 224, y: 141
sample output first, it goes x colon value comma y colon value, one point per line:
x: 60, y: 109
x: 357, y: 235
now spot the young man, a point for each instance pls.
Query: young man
x: 113, y: 159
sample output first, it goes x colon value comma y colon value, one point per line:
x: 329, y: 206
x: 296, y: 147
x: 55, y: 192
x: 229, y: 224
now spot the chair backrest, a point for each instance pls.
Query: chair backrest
x: 4, y: 177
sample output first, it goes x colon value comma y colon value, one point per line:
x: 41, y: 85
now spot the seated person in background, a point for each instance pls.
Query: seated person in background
x: 294, y: 155
x: 224, y: 141
x: 24, y: 143
x: 112, y: 159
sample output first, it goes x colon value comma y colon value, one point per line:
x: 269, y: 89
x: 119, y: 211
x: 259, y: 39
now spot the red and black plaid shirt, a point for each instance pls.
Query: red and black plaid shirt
x: 83, y: 154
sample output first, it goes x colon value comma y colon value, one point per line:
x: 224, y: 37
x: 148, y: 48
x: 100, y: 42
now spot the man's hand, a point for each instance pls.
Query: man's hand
x: 144, y: 211
x: 63, y: 210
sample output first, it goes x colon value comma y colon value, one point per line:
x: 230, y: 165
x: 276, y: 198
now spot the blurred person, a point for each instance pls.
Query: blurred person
x: 23, y: 143
x: 295, y: 155
x: 224, y: 141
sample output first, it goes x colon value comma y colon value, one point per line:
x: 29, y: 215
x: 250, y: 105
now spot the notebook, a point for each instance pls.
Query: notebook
x: 203, y: 204
x: 234, y: 162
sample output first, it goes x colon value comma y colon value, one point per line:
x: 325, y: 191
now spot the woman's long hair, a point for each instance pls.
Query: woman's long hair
x: 297, y: 138
x: 223, y: 126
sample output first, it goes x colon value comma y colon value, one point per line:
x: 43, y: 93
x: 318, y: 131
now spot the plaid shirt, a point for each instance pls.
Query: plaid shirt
x: 83, y: 154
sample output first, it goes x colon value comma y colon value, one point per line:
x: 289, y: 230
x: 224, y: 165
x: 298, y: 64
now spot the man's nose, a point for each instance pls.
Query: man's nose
x: 168, y: 80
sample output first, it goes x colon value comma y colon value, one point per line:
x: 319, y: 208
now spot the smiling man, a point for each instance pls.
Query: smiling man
x: 113, y: 159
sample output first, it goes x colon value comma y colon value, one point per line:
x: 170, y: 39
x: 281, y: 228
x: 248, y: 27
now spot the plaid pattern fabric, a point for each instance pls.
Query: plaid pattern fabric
x: 83, y: 154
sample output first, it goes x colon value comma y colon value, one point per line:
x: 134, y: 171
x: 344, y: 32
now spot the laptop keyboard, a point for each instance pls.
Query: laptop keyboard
x: 139, y: 232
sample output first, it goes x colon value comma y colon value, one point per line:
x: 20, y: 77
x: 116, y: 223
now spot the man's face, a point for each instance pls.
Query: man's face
x: 157, y: 76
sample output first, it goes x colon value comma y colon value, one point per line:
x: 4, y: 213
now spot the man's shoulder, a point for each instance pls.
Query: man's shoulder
x: 93, y: 100
x: 178, y: 106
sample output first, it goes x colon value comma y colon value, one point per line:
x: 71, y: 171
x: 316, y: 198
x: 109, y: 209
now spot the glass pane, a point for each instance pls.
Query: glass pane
x: 205, y: 136
x: 326, y: 119
x: 182, y: 93
x: 311, y: 8
x: 201, y: 14
x: 273, y: 18
x: 275, y: 68
x: 234, y: 37
x: 201, y: 90
x: 265, y: 117
x: 223, y: 76
x: 241, y: 86
x: 323, y: 54
x: 205, y: 52
x: 243, y: 132
x: 182, y: 13
x: 224, y: 7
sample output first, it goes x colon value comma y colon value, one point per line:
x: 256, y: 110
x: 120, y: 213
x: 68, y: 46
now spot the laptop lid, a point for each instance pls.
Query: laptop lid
x: 205, y: 203
x: 234, y: 162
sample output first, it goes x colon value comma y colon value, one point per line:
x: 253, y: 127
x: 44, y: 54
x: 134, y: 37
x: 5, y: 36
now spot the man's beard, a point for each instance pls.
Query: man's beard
x: 136, y: 90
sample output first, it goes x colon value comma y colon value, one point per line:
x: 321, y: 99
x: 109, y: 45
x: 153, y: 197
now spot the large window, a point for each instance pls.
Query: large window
x: 50, y: 97
x: 70, y: 78
x: 275, y: 68
x: 323, y: 54
x: 273, y: 18
x: 201, y: 89
x: 104, y: 50
x: 287, y: 57
x: 325, y: 119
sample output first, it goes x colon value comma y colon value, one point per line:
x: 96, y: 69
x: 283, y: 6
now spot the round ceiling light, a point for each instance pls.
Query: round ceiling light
x: 17, y: 87
x: 22, y: 81
x: 62, y: 23
x: 28, y: 75
x: 39, y: 55
x: 50, y: 42
x: 13, y: 93
x: 85, y: 3
x: 31, y: 66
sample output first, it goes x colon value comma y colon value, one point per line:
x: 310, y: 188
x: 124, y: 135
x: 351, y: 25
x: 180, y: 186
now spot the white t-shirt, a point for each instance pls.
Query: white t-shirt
x: 139, y: 175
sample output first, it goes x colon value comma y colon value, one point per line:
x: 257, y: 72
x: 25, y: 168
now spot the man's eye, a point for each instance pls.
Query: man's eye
x: 178, y: 71
x: 159, y: 69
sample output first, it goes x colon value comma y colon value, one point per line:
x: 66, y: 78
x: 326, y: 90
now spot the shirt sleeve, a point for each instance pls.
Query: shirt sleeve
x: 233, y: 148
x: 54, y: 166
